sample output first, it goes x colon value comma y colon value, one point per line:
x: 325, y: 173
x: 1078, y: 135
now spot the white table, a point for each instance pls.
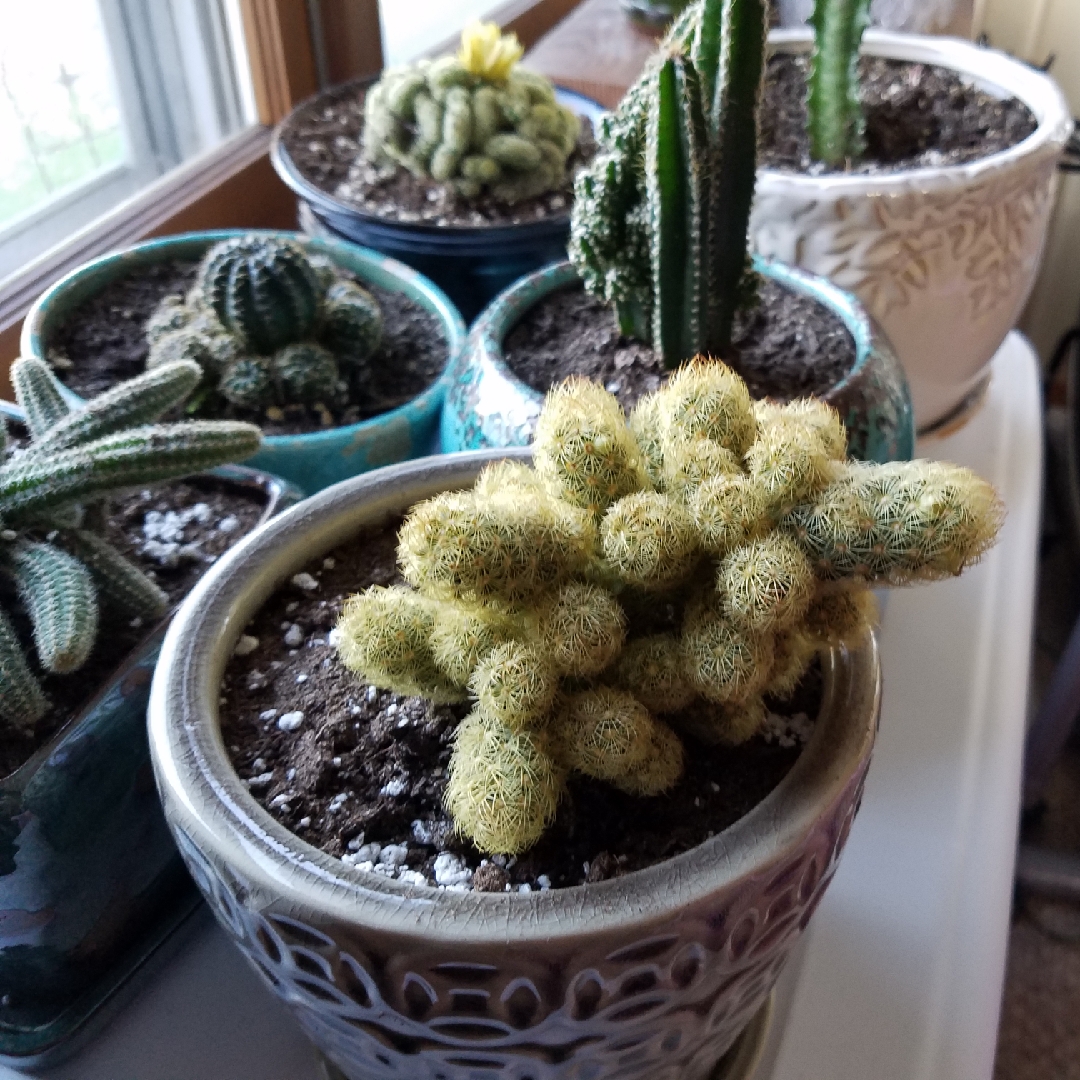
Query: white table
x: 900, y: 975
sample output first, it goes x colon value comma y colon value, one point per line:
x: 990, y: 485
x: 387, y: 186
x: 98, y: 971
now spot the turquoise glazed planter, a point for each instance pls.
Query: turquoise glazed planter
x: 488, y: 406
x: 320, y: 458
x: 91, y: 884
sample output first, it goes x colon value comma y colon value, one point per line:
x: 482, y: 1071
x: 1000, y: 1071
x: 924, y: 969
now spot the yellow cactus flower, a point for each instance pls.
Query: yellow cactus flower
x: 487, y: 52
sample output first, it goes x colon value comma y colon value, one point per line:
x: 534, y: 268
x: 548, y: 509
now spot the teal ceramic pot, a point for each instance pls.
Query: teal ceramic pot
x: 488, y: 406
x: 91, y: 884
x: 321, y: 458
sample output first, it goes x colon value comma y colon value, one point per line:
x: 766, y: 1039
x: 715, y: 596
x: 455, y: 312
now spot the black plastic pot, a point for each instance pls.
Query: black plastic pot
x: 471, y: 265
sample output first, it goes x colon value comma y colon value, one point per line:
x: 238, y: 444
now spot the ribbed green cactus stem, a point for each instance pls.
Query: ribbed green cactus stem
x: 118, y: 581
x: 58, y: 594
x: 22, y: 702
x: 743, y: 30
x: 38, y: 392
x: 262, y: 288
x: 249, y: 383
x: 835, y: 115
x: 145, y: 455
x: 137, y: 401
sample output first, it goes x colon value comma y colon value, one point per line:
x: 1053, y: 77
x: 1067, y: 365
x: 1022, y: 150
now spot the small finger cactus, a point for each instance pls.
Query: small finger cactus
x: 268, y: 325
x: 532, y: 595
x: 64, y: 575
x: 834, y: 109
x: 473, y: 121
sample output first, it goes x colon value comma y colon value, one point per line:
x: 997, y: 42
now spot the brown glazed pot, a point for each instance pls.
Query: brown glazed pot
x: 649, y: 975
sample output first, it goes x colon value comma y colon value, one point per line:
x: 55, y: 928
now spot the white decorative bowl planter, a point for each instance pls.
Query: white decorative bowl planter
x: 943, y: 257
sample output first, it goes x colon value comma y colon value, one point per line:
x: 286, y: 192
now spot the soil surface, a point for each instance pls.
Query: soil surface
x: 323, y: 139
x: 104, y: 342
x: 174, y: 534
x: 360, y: 772
x: 916, y: 115
x: 788, y: 346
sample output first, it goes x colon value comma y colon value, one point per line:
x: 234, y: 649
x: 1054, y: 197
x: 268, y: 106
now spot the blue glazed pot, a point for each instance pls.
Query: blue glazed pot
x: 487, y: 405
x: 473, y: 265
x: 91, y: 884
x: 320, y: 458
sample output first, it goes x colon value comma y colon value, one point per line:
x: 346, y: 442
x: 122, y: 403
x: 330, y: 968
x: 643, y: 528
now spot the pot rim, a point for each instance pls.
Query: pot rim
x: 384, y: 271
x: 205, y: 797
x: 274, y: 490
x: 989, y: 67
x: 303, y: 188
x: 504, y: 312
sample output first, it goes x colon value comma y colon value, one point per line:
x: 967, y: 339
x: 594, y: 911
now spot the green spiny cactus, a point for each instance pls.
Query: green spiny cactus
x: 268, y: 325
x: 472, y: 121
x: 661, y: 215
x: 537, y: 593
x: 835, y: 115
x: 50, y: 496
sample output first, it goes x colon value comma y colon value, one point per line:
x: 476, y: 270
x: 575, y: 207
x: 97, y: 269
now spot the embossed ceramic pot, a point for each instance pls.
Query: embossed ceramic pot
x: 943, y: 257
x: 650, y: 975
x: 91, y: 885
x: 318, y: 458
x: 488, y: 405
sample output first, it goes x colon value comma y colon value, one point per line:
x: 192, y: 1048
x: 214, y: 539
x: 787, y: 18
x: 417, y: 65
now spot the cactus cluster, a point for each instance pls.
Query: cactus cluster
x: 834, y: 110
x: 535, y: 594
x: 59, y: 568
x: 474, y: 121
x: 269, y: 325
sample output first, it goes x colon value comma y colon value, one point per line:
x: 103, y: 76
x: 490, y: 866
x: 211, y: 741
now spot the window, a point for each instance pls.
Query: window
x: 410, y: 27
x: 100, y: 97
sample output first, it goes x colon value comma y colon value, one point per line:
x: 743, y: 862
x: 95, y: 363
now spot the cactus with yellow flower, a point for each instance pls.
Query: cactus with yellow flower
x: 475, y: 121
x: 534, y: 595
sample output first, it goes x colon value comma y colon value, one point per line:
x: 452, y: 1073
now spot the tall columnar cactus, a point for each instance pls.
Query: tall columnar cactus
x: 661, y: 215
x: 535, y: 595
x: 268, y: 325
x: 836, y: 120
x: 61, y: 570
x: 472, y: 120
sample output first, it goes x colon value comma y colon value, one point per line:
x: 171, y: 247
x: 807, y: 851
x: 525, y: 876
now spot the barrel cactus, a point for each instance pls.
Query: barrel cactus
x: 62, y: 572
x: 535, y: 595
x: 473, y: 120
x: 268, y: 325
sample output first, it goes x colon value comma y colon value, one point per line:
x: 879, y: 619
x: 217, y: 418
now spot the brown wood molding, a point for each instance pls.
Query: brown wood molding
x: 529, y: 19
x: 283, y: 69
x: 352, y: 40
x: 233, y: 186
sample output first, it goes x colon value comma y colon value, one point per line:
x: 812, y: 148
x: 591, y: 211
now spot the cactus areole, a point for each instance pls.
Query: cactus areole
x: 474, y: 121
x: 661, y: 215
x: 534, y: 594
x: 62, y: 572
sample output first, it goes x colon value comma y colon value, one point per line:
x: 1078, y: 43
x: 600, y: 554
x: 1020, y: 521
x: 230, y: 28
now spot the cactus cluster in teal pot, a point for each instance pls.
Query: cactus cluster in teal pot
x: 269, y: 325
x: 474, y: 120
x: 62, y: 575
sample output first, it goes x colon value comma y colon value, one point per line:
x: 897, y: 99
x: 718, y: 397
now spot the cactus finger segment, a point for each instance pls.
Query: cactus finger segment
x: 22, y: 702
x: 117, y: 579
x: 59, y: 596
x: 37, y: 390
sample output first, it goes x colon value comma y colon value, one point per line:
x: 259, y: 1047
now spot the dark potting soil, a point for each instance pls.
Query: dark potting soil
x: 916, y: 115
x: 104, y: 341
x: 360, y: 772
x: 323, y: 139
x: 787, y: 346
x: 174, y: 534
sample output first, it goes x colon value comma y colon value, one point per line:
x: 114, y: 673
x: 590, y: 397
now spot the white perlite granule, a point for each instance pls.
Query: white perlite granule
x: 787, y: 731
x: 304, y: 581
x: 290, y: 721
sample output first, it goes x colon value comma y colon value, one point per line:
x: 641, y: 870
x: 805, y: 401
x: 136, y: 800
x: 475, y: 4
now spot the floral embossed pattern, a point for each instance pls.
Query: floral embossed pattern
x: 664, y: 1006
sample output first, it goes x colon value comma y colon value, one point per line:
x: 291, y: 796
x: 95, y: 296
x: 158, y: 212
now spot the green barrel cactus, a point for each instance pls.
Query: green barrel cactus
x: 473, y: 121
x: 269, y: 326
x: 661, y: 215
x: 62, y: 571
x: 534, y: 594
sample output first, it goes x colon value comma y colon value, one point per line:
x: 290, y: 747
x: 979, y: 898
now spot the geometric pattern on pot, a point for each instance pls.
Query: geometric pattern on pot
x: 488, y: 405
x: 664, y: 1008
x: 653, y: 974
x: 943, y: 257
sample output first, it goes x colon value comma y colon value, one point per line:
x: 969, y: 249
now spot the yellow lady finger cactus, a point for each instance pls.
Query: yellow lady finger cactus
x: 617, y: 582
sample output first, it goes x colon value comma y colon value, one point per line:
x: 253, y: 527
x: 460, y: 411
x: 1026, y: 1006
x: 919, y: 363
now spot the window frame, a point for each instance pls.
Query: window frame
x: 294, y: 47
